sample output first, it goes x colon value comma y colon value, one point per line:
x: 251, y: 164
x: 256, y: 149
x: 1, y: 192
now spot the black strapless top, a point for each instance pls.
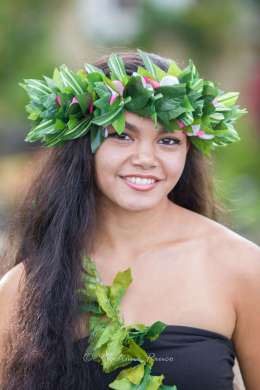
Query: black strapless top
x: 190, y: 358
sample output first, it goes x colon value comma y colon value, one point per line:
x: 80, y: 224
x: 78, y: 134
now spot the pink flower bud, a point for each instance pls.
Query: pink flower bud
x: 91, y: 106
x: 200, y: 133
x: 58, y: 100
x: 113, y: 97
x: 74, y: 100
x: 180, y: 124
x: 118, y: 86
x: 155, y: 84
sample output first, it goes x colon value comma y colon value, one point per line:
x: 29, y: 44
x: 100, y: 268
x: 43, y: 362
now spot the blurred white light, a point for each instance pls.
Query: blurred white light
x: 109, y: 19
x: 172, y: 4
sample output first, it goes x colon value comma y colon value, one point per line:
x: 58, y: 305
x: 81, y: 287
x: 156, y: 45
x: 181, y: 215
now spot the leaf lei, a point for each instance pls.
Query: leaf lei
x: 72, y: 104
x: 111, y: 343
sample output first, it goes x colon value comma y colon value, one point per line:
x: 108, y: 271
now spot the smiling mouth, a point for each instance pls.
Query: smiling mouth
x: 139, y: 186
x: 141, y: 177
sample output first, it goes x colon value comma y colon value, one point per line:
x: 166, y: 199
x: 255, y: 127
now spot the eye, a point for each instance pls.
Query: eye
x: 172, y: 141
x: 118, y: 136
x: 121, y: 137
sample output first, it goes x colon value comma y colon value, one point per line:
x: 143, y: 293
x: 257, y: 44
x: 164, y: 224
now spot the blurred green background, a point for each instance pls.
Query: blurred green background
x: 221, y: 37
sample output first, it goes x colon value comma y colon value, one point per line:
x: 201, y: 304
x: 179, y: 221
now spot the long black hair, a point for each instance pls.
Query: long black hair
x: 53, y: 227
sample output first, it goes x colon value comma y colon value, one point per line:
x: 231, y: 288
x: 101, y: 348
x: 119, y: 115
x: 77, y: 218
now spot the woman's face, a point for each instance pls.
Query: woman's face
x: 141, y: 150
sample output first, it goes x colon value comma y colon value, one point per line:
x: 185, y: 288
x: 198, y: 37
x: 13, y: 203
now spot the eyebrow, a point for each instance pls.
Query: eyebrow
x: 134, y: 128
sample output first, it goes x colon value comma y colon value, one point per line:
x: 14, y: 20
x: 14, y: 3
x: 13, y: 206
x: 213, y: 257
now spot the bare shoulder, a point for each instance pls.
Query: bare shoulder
x: 240, y: 257
x: 238, y: 261
x: 12, y: 280
x: 238, y: 251
x: 235, y: 255
x: 226, y: 243
x: 11, y: 285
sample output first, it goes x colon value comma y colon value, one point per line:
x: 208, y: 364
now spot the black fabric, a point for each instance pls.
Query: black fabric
x: 191, y: 358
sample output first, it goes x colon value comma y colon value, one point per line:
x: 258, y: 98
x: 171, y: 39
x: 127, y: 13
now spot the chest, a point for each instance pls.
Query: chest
x: 174, y: 288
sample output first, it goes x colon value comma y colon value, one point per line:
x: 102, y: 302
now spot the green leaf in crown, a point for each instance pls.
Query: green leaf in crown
x: 110, y: 342
x: 77, y: 104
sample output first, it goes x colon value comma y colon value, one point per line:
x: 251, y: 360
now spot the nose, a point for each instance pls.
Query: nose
x: 144, y: 155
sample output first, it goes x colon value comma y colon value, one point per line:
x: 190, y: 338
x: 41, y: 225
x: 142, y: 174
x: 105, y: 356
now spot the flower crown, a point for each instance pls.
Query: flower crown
x: 73, y: 104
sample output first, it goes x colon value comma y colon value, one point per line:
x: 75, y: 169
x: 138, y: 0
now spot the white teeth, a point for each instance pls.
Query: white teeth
x: 138, y: 180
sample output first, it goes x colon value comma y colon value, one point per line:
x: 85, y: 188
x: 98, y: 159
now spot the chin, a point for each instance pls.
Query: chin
x: 138, y: 204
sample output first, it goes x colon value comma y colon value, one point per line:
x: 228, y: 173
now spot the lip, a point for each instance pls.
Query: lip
x: 142, y: 176
x: 141, y: 187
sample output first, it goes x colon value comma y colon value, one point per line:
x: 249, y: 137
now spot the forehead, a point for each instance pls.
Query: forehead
x: 137, y: 124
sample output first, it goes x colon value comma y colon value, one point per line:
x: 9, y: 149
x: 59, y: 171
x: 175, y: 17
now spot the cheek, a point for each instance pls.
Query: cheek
x: 107, y: 167
x: 174, y: 168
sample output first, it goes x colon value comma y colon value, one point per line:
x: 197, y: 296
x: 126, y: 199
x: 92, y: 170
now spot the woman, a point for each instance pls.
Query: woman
x: 138, y: 196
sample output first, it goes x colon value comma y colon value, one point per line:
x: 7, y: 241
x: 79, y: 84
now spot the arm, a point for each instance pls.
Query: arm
x: 247, y: 331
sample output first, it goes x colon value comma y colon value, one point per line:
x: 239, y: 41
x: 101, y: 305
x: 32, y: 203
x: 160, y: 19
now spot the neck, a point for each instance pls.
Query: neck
x: 131, y: 232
